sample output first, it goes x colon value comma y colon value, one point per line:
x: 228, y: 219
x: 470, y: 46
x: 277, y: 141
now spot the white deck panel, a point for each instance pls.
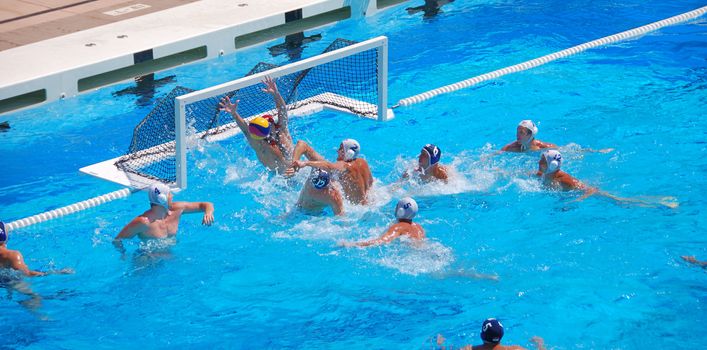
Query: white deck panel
x: 57, y: 64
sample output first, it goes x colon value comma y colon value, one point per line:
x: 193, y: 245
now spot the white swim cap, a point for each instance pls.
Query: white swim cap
x: 553, y: 158
x: 351, y: 149
x: 528, y: 124
x: 406, y: 209
x: 159, y: 194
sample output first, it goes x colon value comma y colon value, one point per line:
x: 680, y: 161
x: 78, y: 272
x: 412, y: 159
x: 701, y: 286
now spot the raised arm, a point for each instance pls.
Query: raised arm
x: 322, y: 164
x: 301, y: 148
x: 232, y: 108
x: 196, y: 207
x: 271, y: 88
x: 304, y: 149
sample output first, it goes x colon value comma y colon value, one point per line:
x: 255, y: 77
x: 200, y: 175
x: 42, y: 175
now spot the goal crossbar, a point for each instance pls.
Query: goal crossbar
x: 383, y: 113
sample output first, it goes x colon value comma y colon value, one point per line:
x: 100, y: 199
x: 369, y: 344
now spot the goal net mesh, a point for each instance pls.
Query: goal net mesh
x: 348, y: 83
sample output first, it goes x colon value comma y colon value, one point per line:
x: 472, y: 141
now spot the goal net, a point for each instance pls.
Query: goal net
x: 347, y: 77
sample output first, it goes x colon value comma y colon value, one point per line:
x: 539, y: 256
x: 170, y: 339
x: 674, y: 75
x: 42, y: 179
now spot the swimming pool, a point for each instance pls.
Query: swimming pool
x: 592, y: 275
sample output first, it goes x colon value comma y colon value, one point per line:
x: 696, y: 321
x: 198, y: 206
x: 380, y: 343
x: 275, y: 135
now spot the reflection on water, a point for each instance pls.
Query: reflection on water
x: 293, y: 45
x: 145, y: 88
x: 430, y: 9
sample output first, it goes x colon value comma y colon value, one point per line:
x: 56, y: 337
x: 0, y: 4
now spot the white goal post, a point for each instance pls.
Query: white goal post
x: 381, y: 109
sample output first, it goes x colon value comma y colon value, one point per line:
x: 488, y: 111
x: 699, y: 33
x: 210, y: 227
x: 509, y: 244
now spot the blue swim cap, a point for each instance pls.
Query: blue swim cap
x: 433, y: 152
x: 3, y: 233
x: 491, y: 331
x: 320, y: 178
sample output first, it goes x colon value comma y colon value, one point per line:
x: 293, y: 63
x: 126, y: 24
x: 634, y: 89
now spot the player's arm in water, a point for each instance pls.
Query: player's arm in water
x: 18, y: 263
x: 603, y: 150
x: 271, y: 88
x: 693, y: 260
x: 133, y: 228
x: 570, y: 183
x: 666, y: 201
x: 196, y: 207
x: 389, y: 235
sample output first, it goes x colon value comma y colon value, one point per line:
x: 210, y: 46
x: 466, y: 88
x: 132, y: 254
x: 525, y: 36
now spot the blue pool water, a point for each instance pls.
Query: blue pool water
x: 589, y: 275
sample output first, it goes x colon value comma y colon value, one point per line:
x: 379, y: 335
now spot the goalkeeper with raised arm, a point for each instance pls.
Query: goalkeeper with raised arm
x: 269, y: 138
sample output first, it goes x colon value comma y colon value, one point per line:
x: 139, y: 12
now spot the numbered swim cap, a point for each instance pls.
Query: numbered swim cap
x: 553, y: 158
x: 259, y: 128
x: 491, y: 331
x: 320, y: 178
x: 528, y: 124
x: 159, y: 194
x: 3, y: 233
x: 351, y: 149
x: 433, y: 152
x: 406, y: 209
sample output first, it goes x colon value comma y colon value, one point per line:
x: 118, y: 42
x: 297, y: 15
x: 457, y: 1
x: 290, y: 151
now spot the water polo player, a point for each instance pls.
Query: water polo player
x: 269, y: 138
x: 405, y: 211
x: 162, y: 219
x: 319, y: 193
x: 525, y: 139
x: 12, y: 259
x: 428, y: 166
x: 352, y: 172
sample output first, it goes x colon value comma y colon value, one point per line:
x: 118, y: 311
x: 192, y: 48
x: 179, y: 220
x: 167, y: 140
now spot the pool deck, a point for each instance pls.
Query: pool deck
x: 52, y: 49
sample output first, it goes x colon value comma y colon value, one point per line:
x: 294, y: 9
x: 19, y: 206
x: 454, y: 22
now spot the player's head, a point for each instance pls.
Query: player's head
x: 429, y: 156
x: 320, y: 178
x: 406, y: 209
x: 550, y: 161
x: 491, y: 331
x: 526, y: 131
x: 159, y: 194
x: 348, y: 150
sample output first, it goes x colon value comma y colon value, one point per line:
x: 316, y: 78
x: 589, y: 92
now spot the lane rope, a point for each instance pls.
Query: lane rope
x: 632, y: 33
x: 70, y: 209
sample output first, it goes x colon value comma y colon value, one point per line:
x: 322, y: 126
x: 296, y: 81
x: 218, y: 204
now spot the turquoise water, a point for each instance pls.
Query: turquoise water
x: 589, y: 275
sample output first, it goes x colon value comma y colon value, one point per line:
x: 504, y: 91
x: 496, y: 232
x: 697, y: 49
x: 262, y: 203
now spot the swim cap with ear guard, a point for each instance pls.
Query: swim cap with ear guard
x: 433, y: 152
x: 553, y: 158
x: 406, y: 209
x: 3, y: 232
x: 159, y: 194
x: 351, y: 149
x: 528, y: 124
x: 320, y: 178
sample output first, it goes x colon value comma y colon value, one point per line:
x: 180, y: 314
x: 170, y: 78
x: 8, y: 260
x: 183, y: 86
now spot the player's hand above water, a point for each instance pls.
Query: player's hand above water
x: 227, y: 106
x: 270, y: 86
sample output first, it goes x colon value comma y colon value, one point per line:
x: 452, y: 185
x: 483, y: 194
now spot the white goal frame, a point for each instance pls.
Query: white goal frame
x: 108, y: 171
x: 383, y: 113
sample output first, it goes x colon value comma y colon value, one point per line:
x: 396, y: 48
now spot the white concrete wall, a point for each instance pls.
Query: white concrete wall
x: 58, y: 64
